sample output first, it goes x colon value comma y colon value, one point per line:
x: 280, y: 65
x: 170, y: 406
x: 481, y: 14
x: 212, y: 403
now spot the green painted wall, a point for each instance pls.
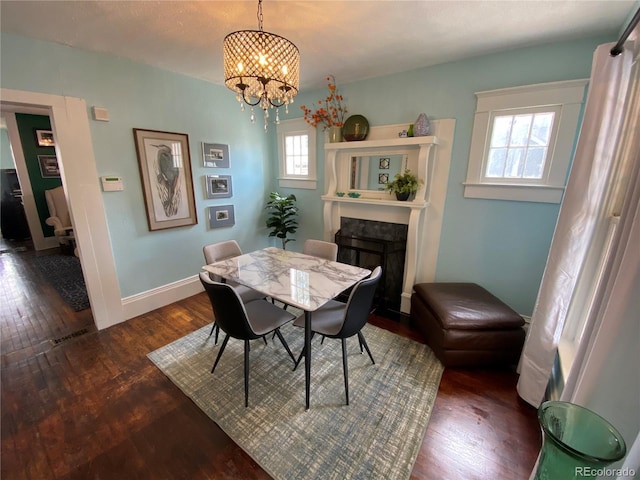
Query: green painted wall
x: 27, y: 126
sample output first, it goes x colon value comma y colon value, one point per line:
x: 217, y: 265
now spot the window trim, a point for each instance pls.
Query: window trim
x: 568, y: 96
x: 297, y: 126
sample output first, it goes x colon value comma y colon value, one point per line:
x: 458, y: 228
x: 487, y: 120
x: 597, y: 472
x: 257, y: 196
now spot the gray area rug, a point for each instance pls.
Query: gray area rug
x: 377, y: 436
x: 64, y: 273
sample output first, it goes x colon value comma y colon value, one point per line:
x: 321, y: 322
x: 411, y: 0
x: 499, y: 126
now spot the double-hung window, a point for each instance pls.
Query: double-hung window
x: 522, y: 141
x: 296, y: 154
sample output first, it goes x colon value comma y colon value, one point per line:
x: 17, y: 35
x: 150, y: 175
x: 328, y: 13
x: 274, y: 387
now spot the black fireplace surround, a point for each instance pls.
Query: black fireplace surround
x: 369, y: 243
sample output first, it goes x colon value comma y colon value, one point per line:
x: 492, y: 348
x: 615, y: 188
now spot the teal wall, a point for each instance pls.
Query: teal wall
x: 499, y: 244
x: 139, y: 96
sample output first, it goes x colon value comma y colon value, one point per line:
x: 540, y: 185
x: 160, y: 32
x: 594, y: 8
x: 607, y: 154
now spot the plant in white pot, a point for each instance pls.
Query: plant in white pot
x: 404, y: 185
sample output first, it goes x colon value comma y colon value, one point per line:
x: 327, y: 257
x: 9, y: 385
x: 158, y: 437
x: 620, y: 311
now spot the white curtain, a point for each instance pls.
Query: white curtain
x: 586, y: 224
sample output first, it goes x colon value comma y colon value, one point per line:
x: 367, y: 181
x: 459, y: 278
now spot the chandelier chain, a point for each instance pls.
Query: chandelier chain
x: 260, y: 15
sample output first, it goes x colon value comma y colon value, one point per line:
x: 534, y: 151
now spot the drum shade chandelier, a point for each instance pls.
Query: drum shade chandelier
x: 262, y: 68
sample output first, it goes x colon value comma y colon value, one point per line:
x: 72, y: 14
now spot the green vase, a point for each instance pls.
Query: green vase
x: 335, y: 134
x: 576, y: 442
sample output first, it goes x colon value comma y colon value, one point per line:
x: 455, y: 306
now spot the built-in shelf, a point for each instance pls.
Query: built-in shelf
x: 376, y: 201
x: 385, y: 142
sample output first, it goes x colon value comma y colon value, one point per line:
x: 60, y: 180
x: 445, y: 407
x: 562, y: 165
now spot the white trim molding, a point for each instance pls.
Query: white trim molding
x: 566, y: 98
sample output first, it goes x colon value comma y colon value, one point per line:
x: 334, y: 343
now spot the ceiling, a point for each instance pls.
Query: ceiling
x: 351, y: 39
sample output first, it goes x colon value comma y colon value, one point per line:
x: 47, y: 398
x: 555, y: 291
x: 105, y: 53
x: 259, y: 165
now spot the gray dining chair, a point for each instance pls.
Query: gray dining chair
x: 321, y: 249
x: 217, y: 252
x: 339, y: 320
x: 243, y: 321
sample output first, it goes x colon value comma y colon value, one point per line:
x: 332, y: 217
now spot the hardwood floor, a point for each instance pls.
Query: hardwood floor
x: 94, y: 407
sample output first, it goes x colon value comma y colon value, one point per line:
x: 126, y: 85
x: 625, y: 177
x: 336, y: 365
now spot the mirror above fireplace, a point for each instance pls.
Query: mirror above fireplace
x: 373, y: 172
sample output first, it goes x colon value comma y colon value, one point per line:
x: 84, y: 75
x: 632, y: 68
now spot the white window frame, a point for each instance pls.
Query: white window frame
x: 297, y: 126
x: 565, y: 98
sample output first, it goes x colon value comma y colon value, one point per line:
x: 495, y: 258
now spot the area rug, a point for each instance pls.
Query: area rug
x: 64, y: 273
x: 377, y: 436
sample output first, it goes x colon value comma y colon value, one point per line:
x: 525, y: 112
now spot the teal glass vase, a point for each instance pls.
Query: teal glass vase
x: 576, y: 442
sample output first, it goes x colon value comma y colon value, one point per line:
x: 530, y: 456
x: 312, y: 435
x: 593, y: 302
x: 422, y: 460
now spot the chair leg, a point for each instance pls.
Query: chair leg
x: 345, y: 368
x: 222, y: 347
x: 364, y: 342
x: 246, y: 373
x: 285, y: 344
x: 264, y: 337
x: 215, y: 328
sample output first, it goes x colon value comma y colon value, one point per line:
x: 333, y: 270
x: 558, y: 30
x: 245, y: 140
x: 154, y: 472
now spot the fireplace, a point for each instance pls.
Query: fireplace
x: 367, y: 244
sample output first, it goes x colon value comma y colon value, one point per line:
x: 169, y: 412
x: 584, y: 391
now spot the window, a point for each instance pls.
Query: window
x: 297, y: 154
x: 522, y: 142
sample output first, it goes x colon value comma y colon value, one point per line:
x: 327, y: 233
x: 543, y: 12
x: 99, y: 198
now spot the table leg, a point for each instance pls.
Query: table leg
x: 307, y: 355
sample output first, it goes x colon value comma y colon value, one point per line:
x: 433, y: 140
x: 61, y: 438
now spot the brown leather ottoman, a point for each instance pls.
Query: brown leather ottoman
x: 466, y: 326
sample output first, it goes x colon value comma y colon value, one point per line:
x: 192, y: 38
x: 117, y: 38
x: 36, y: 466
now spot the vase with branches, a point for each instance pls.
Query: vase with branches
x: 330, y: 112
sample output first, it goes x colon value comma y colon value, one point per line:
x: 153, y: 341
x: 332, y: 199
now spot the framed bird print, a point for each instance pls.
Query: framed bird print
x: 167, y: 184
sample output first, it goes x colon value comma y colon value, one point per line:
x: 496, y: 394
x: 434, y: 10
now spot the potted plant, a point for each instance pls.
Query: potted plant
x: 405, y: 185
x: 282, y: 220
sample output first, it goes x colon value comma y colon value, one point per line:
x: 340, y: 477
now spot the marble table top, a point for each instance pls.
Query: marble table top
x: 297, y: 279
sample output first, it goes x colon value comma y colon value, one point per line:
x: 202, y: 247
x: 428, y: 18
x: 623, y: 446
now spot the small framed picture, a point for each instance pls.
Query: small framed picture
x: 44, y: 138
x: 219, y: 186
x: 221, y: 216
x: 49, y: 166
x: 215, y: 155
x: 384, y: 164
x: 383, y: 178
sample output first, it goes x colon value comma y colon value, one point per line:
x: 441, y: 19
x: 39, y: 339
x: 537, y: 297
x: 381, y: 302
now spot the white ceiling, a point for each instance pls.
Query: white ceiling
x: 351, y: 39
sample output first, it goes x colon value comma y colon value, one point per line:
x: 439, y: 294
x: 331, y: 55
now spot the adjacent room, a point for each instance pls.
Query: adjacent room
x: 312, y: 240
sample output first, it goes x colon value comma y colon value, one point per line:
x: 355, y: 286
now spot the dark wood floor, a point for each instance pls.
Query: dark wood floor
x: 94, y: 407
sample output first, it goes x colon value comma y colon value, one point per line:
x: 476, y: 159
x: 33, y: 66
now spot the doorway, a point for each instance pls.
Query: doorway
x: 74, y: 150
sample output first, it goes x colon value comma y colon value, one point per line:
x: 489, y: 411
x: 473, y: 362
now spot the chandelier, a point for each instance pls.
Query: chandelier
x: 262, y: 68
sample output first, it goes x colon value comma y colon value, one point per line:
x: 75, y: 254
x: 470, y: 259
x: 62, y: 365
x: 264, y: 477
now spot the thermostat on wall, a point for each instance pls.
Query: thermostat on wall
x: 112, y: 184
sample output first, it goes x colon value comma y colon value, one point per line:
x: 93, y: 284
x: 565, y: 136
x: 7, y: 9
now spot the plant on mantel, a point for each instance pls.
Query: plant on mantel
x: 405, y: 185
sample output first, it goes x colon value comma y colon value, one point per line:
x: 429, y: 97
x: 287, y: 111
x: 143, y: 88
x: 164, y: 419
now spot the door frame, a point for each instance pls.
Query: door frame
x: 79, y: 175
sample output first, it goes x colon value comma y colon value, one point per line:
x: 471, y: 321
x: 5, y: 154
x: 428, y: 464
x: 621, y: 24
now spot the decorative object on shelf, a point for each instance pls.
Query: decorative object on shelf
x: 331, y: 110
x: 283, y: 217
x: 422, y: 126
x: 262, y: 68
x: 221, y: 216
x: 165, y: 170
x: 340, y: 194
x: 219, y: 186
x: 410, y: 131
x: 355, y: 128
x: 334, y: 134
x: 405, y: 185
x: 403, y: 134
x: 215, y: 155
x: 354, y: 194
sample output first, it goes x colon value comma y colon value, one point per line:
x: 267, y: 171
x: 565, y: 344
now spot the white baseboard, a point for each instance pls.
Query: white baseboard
x: 144, y: 302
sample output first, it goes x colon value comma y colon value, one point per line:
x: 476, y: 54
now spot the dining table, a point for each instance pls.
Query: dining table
x: 293, y: 278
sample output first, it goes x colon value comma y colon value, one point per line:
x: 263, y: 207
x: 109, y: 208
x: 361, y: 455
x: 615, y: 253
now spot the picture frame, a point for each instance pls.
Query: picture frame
x: 49, y: 167
x: 215, y: 155
x: 167, y: 184
x: 219, y: 186
x: 44, y: 138
x: 383, y: 178
x: 384, y: 163
x: 221, y: 216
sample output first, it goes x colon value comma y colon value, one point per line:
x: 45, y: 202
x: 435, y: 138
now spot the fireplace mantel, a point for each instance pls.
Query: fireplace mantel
x: 428, y: 156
